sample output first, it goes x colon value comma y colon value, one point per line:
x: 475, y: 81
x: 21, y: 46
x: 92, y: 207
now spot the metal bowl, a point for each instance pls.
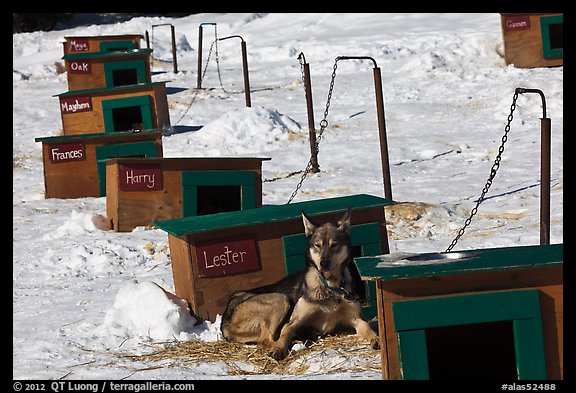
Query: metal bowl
x: 441, y: 256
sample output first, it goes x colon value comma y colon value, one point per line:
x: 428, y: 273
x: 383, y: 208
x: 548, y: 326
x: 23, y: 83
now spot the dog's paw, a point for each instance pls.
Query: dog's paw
x: 279, y: 353
x: 375, y: 343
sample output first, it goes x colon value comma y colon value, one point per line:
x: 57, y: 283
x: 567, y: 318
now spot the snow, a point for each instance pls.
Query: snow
x: 83, y: 295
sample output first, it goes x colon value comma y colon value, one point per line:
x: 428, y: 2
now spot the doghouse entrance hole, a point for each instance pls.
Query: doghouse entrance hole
x: 478, y: 351
x: 556, y: 35
x: 360, y: 289
x: 218, y: 199
x: 125, y: 77
x: 127, y: 118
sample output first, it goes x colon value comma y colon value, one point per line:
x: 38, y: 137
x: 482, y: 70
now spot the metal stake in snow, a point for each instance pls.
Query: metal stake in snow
x: 310, y: 109
x: 174, y: 61
x: 199, y: 80
x: 381, y: 123
x: 545, y: 143
x: 544, y: 171
x: 244, y: 68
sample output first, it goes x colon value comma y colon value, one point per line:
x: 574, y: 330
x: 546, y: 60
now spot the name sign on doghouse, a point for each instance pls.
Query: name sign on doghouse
x: 140, y: 178
x: 226, y: 257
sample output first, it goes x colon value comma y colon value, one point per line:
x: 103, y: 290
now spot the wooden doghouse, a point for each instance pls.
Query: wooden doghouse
x: 101, y: 43
x: 92, y: 70
x: 216, y: 255
x: 140, y: 191
x: 74, y: 165
x: 478, y: 314
x: 143, y: 106
x: 533, y: 40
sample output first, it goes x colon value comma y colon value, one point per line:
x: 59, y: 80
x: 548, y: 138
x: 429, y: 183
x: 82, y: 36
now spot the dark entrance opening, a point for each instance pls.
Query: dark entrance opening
x: 127, y: 118
x: 218, y: 199
x: 483, y: 351
x: 124, y: 77
x: 360, y: 289
x: 556, y: 35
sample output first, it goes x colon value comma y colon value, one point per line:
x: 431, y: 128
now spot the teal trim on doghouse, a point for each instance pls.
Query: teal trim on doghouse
x: 96, y: 135
x: 191, y: 180
x: 267, y: 214
x: 481, y: 260
x: 104, y: 152
x: 545, y: 22
x: 98, y: 55
x: 108, y: 90
x: 139, y: 66
x: 143, y: 102
x: 110, y: 46
x: 366, y: 236
x: 522, y: 307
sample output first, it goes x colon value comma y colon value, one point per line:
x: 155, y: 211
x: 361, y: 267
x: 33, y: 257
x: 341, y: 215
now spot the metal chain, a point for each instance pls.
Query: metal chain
x: 217, y: 58
x: 493, y: 171
x: 323, y: 125
x: 197, y: 90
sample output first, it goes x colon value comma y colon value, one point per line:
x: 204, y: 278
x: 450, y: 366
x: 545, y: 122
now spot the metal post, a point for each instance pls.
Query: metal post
x: 545, y: 127
x: 381, y: 123
x: 382, y: 133
x: 174, y: 61
x: 310, y: 109
x: 545, y: 148
x: 244, y: 67
x: 199, y: 80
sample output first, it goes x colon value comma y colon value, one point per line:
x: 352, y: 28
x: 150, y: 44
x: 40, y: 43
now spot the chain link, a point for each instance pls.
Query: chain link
x: 202, y: 76
x: 493, y: 172
x: 323, y: 125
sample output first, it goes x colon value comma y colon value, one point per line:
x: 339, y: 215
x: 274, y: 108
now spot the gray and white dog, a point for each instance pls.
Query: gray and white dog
x: 314, y: 301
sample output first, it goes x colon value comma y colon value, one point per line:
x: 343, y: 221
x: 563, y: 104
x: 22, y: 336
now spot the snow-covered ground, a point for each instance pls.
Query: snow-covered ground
x: 82, y: 295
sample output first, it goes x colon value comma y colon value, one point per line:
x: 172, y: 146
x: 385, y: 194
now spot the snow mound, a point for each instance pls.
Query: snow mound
x: 255, y: 129
x: 78, y: 223
x: 147, y: 311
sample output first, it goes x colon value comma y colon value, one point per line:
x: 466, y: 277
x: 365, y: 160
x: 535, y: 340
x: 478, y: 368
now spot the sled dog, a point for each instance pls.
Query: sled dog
x: 316, y: 300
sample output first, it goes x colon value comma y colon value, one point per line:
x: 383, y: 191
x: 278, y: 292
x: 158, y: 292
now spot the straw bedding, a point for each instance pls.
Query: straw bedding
x: 331, y: 354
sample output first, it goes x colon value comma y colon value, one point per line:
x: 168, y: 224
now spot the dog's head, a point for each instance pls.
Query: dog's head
x: 328, y: 244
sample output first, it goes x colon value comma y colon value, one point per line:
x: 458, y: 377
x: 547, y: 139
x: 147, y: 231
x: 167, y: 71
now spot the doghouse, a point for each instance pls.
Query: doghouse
x: 218, y: 254
x: 492, y: 313
x: 74, y: 165
x: 533, y: 40
x: 92, y: 70
x: 142, y: 106
x: 140, y: 191
x: 101, y: 43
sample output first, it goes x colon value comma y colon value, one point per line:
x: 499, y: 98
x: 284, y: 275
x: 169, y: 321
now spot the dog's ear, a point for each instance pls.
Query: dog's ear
x: 344, y: 222
x: 309, y: 226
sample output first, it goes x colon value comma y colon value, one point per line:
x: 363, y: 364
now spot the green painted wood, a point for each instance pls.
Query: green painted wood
x: 143, y: 102
x: 146, y: 149
x: 118, y: 45
x: 488, y: 259
x: 413, y: 355
x: 547, y: 51
x: 191, y: 180
x: 101, y: 54
x: 110, y: 67
x: 466, y: 309
x: 413, y: 317
x: 529, y: 347
x: 97, y: 135
x: 268, y: 214
x: 108, y: 90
